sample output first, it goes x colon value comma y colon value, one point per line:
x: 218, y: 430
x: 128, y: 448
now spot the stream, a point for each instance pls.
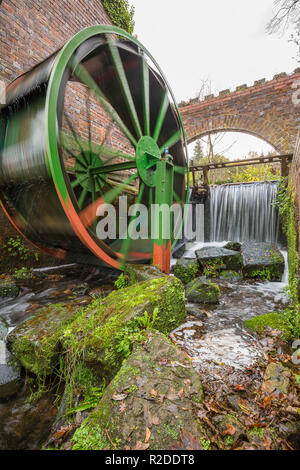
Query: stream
x: 222, y: 349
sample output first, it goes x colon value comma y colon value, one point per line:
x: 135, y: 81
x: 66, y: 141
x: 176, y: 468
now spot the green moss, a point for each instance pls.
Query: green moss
x: 174, y: 431
x: 274, y: 320
x: 186, y: 273
x: 256, y: 433
x: 84, y: 439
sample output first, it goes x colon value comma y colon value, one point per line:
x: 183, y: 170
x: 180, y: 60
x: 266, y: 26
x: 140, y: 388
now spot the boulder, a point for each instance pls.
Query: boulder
x: 235, y: 246
x: 140, y: 272
x: 178, y: 250
x: 221, y: 258
x: 150, y: 403
x: 262, y: 261
x: 186, y: 269
x: 10, y: 378
x: 91, y: 335
x: 202, y: 290
x: 35, y: 342
x: 97, y: 331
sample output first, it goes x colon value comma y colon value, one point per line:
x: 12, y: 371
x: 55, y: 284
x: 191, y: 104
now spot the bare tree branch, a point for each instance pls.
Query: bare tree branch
x: 288, y: 13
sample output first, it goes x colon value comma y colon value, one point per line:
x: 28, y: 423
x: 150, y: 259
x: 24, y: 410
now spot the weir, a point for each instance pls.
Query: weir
x: 242, y: 212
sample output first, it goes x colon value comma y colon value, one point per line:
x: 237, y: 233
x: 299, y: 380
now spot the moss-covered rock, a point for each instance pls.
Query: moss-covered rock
x: 149, y: 403
x: 235, y: 246
x: 220, y: 258
x: 35, y: 342
x: 202, y: 290
x: 262, y: 261
x: 186, y: 269
x: 96, y: 333
x: 276, y: 321
x: 140, y: 272
x: 231, y: 276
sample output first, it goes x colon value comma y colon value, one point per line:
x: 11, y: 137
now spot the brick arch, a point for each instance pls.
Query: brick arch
x: 268, y: 110
x: 264, y: 129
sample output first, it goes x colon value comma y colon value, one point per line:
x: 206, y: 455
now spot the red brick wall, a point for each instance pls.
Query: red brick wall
x: 268, y: 109
x: 31, y: 30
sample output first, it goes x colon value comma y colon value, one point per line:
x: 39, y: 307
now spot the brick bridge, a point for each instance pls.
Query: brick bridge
x: 268, y: 109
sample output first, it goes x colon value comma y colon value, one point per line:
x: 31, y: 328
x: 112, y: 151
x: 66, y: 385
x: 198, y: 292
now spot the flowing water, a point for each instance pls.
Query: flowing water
x: 217, y: 340
x: 244, y: 212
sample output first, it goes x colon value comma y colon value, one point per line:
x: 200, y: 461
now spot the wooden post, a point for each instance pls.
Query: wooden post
x: 205, y: 175
x: 284, y: 167
x: 193, y: 173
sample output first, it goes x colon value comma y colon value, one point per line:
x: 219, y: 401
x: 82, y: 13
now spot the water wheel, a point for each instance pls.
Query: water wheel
x: 94, y: 124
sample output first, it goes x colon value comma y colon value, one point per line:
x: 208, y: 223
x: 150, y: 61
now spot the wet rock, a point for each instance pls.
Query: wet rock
x: 219, y: 257
x: 97, y: 329
x: 186, y: 269
x: 35, y: 342
x: 230, y: 428
x: 3, y: 330
x: 202, y: 290
x: 235, y: 246
x: 196, y: 311
x: 81, y: 289
x: 276, y: 379
x: 149, y: 404
x: 140, y: 273
x: 231, y: 276
x: 178, y: 250
x: 262, y: 261
x: 9, y: 288
x: 10, y: 378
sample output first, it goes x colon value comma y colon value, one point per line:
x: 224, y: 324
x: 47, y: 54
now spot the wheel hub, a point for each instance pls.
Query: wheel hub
x: 147, y: 156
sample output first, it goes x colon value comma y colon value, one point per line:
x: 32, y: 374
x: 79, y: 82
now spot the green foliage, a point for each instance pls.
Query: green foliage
x: 264, y: 274
x: 22, y: 274
x: 91, y: 399
x: 212, y: 268
x: 127, y: 337
x: 147, y: 320
x: 287, y: 321
x: 285, y: 204
x: 186, y: 273
x: 121, y: 282
x: 121, y: 13
x: 15, y: 247
x: 198, y: 153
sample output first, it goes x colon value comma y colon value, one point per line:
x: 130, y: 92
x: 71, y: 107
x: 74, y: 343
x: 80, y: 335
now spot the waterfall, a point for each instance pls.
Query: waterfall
x: 244, y: 212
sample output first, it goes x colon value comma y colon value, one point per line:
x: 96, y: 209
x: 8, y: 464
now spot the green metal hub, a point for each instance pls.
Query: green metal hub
x: 87, y: 167
x: 147, y: 156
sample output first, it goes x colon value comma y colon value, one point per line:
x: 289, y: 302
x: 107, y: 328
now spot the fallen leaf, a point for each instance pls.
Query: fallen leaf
x: 240, y: 387
x: 123, y: 406
x: 155, y: 420
x: 119, y: 396
x: 180, y: 393
x: 229, y: 430
x: 140, y: 446
x: 148, y: 434
x: 153, y: 393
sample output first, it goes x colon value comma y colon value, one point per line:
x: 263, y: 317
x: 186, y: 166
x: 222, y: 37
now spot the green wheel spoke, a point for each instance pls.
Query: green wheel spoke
x: 180, y: 169
x: 126, y: 244
x: 82, y: 197
x: 76, y: 138
x: 171, y: 141
x: 146, y: 96
x: 113, y: 193
x: 112, y: 168
x: 87, y: 80
x: 178, y: 199
x: 78, y: 181
x: 124, y: 86
x: 88, y: 108
x: 161, y: 116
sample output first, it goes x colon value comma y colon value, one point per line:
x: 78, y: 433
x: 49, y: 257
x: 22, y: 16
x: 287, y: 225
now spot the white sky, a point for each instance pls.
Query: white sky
x: 220, y: 40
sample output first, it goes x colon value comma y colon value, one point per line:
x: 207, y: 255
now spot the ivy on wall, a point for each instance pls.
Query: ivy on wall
x: 121, y: 13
